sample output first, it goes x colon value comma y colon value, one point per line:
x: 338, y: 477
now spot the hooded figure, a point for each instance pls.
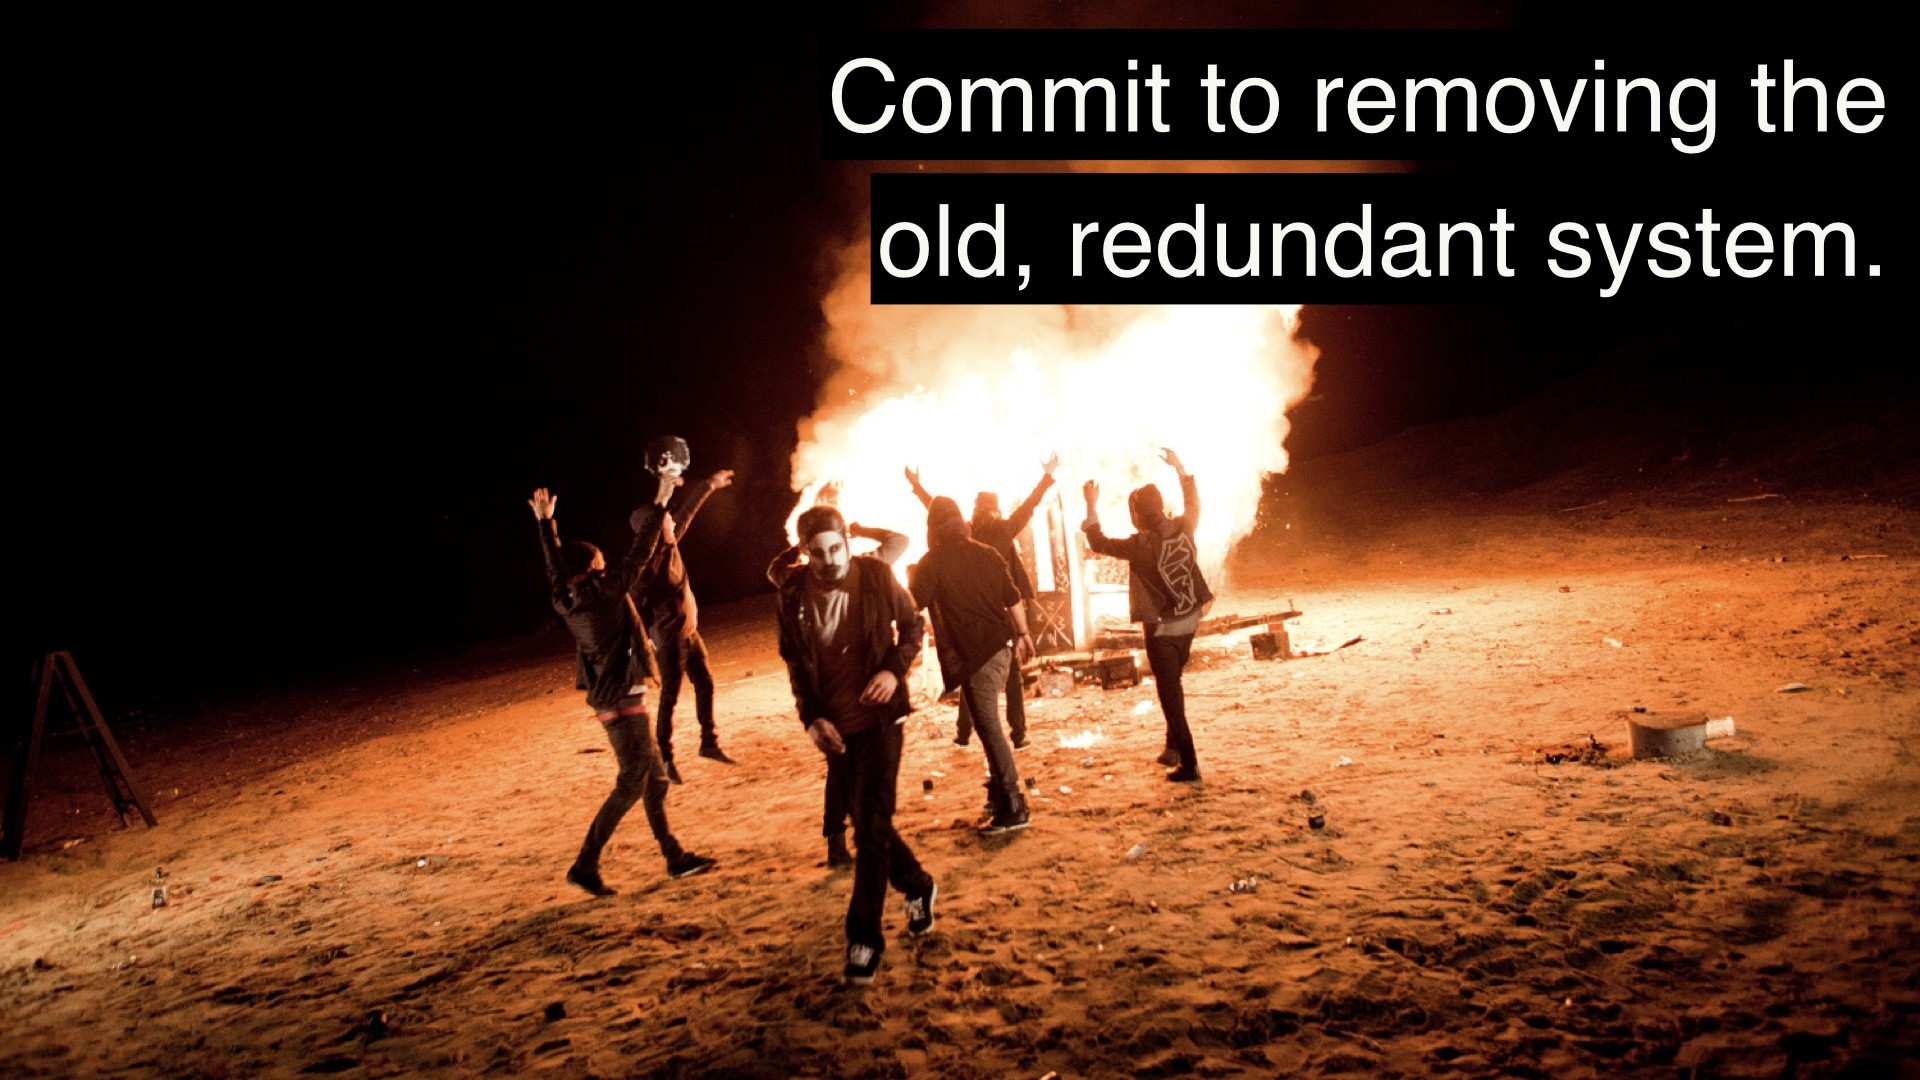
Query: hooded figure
x: 1166, y: 594
x: 980, y: 633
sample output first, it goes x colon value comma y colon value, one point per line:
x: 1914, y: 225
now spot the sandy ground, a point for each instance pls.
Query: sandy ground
x: 367, y: 880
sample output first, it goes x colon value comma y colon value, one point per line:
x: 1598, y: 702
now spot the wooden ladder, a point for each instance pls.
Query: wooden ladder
x: 58, y: 669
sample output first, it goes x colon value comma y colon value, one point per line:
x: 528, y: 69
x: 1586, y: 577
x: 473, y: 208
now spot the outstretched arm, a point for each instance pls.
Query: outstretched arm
x: 1097, y: 539
x: 1189, y: 492
x: 543, y: 505
x: 921, y: 493
x: 1023, y: 513
x: 683, y: 520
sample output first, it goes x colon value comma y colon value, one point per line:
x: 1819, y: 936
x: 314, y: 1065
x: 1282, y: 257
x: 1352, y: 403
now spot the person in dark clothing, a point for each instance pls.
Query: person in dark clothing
x: 1000, y: 534
x: 1166, y: 594
x: 611, y: 664
x: 672, y: 618
x: 976, y: 612
x: 838, y: 798
x: 848, y: 633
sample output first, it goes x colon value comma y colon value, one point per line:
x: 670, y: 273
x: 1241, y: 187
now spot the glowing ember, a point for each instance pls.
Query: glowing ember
x: 977, y: 397
x: 1082, y: 740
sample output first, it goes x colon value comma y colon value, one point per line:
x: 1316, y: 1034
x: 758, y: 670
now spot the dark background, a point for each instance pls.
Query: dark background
x: 325, y: 309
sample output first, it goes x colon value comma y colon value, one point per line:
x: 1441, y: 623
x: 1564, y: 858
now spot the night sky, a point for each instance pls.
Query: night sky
x: 330, y: 311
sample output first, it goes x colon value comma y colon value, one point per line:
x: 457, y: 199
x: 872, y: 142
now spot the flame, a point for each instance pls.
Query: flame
x: 977, y: 397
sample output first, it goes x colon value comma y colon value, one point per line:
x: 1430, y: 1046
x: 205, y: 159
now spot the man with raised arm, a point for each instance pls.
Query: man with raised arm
x: 612, y: 664
x: 1000, y: 534
x: 1165, y: 594
x: 672, y: 618
x: 848, y: 633
x: 838, y: 806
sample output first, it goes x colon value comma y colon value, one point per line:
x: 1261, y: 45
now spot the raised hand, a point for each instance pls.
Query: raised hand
x: 543, y: 504
x: 1052, y: 463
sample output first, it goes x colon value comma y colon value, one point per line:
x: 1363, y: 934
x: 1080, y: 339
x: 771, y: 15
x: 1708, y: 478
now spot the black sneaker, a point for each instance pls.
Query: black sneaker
x: 689, y: 864
x: 862, y: 962
x: 712, y: 752
x: 673, y: 773
x: 1005, y: 823
x: 1169, y: 756
x: 838, y: 857
x: 1020, y: 743
x: 1185, y: 774
x: 588, y: 880
x: 920, y: 911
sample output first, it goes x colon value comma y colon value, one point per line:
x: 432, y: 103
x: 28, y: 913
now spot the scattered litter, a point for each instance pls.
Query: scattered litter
x: 937, y: 773
x: 1354, y: 640
x: 1521, y: 663
x: 1852, y: 558
x: 1081, y: 741
x: 556, y: 1011
x: 1136, y: 851
x: 1143, y: 708
x: 1343, y: 762
x: 1443, y: 611
x: 1613, y: 643
x: 1308, y: 797
x: 1793, y: 688
x: 1086, y: 763
x: 1245, y: 885
x: 1754, y: 498
x: 159, y: 896
x: 268, y: 879
x: 1316, y: 822
x: 1566, y: 588
x: 1721, y: 818
x: 926, y: 786
x: 1065, y: 790
x: 593, y: 750
x: 1721, y: 728
x: 1414, y: 651
x: 1032, y: 784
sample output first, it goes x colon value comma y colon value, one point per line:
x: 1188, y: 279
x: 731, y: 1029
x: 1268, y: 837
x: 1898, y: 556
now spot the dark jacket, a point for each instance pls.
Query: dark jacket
x: 1000, y: 533
x: 664, y: 596
x: 890, y: 626
x: 1164, y: 579
x: 965, y: 585
x: 613, y: 655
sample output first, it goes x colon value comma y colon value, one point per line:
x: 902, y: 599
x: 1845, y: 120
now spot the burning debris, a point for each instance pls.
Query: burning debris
x: 1104, y: 387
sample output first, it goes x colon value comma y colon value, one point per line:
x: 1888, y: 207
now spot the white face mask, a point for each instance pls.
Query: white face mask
x: 827, y: 557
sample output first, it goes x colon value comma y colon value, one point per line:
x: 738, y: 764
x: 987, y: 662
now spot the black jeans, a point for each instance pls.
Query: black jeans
x: 642, y: 779
x: 1016, y: 708
x: 873, y: 769
x: 675, y: 654
x: 1167, y: 656
x: 839, y: 801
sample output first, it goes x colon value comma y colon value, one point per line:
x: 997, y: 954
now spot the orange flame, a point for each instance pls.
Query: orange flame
x: 977, y: 397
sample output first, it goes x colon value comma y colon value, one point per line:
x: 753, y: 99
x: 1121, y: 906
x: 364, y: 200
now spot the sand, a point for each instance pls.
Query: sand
x: 366, y: 879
